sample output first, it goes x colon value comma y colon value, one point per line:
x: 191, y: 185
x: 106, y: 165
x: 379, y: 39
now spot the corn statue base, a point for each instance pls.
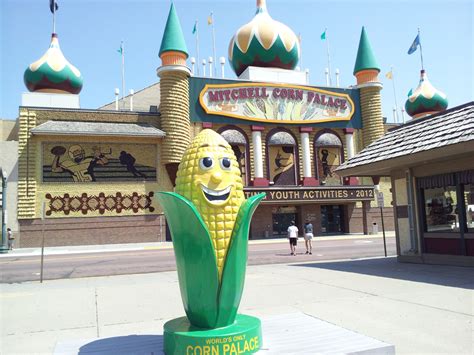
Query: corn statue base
x: 244, y: 336
x: 209, y: 220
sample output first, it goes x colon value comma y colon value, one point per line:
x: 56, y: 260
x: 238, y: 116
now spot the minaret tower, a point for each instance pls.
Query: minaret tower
x: 174, y: 94
x: 366, y: 71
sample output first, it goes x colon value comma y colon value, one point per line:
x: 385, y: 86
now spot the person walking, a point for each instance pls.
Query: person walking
x: 308, y: 236
x: 293, y: 237
x: 11, y: 239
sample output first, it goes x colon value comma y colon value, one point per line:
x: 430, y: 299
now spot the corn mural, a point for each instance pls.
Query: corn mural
x: 209, y: 220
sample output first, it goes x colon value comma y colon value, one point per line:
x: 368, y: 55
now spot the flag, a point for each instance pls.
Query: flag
x: 120, y: 50
x: 53, y: 6
x: 410, y: 93
x: 209, y: 19
x: 195, y: 27
x: 389, y: 75
x: 323, y: 35
x: 415, y: 44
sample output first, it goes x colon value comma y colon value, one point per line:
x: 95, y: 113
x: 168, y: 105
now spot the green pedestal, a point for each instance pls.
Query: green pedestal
x: 242, y: 337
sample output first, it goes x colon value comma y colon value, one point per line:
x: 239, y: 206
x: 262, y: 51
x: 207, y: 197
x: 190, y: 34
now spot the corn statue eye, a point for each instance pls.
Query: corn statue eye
x: 225, y: 163
x: 205, y: 163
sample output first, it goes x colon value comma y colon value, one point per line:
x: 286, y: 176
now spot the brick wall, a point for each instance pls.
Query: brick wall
x: 91, y: 231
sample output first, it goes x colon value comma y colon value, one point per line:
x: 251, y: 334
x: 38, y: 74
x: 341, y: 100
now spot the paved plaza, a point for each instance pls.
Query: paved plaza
x: 418, y: 308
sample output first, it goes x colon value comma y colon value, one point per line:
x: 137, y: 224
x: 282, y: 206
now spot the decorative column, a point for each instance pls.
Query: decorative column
x: 308, y: 179
x: 349, y: 135
x: 174, y: 95
x: 258, y: 179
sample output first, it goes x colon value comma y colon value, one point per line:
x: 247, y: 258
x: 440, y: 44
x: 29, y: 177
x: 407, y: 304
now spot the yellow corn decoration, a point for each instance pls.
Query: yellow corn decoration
x: 209, y: 176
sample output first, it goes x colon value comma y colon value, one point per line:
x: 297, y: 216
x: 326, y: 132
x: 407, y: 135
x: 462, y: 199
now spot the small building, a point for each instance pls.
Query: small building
x: 430, y: 161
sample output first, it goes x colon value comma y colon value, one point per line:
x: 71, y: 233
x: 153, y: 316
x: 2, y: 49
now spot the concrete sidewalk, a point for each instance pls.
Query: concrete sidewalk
x: 418, y: 308
x: 78, y: 249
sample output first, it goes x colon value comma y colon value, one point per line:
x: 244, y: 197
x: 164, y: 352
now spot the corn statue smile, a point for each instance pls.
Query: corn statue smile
x: 209, y: 220
x: 214, y: 196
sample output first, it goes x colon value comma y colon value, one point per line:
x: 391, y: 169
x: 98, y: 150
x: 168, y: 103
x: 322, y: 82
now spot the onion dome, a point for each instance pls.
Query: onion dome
x: 53, y: 73
x: 263, y: 42
x: 425, y: 99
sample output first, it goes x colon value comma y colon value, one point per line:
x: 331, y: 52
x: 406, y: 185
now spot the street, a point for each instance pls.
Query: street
x: 159, y: 259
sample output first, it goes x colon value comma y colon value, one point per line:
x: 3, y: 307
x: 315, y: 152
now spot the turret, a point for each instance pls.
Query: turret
x: 366, y: 71
x: 174, y: 94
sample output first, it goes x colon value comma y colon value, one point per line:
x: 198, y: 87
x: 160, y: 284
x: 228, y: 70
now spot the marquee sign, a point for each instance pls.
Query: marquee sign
x: 317, y: 194
x: 276, y: 103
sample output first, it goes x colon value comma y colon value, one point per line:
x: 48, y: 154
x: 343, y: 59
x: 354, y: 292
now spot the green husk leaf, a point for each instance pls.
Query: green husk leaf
x: 233, y: 276
x: 195, y: 259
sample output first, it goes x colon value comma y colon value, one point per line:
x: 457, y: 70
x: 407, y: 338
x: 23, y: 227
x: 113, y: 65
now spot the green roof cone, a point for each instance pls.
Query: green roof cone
x: 365, y: 56
x: 173, y: 38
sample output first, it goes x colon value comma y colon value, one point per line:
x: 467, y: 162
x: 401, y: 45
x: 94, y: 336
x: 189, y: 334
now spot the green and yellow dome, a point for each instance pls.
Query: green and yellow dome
x: 53, y: 73
x: 425, y: 99
x: 263, y: 42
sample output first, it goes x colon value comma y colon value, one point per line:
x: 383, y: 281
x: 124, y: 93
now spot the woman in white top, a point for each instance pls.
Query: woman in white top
x: 293, y: 237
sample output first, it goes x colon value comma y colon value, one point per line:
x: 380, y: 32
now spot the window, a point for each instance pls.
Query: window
x: 469, y: 206
x: 328, y: 152
x: 238, y: 143
x: 441, y: 210
x: 281, y: 156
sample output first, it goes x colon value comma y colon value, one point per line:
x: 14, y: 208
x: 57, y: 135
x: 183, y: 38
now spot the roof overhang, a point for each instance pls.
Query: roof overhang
x: 385, y: 167
x: 74, y: 128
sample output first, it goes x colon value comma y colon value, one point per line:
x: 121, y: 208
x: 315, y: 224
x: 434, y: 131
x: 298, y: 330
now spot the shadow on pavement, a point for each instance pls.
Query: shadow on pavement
x: 131, y: 344
x: 453, y: 276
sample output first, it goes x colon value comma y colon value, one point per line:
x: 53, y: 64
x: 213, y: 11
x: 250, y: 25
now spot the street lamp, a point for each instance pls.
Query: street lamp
x: 4, y: 245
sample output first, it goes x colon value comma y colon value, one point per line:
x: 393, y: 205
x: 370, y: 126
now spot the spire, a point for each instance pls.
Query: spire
x: 365, y: 57
x: 173, y: 38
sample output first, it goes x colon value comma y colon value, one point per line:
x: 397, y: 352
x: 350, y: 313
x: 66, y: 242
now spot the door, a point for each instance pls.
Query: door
x: 281, y: 222
x: 331, y: 219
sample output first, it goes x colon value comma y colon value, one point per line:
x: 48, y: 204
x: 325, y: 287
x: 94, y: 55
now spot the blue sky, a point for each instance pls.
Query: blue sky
x: 90, y: 33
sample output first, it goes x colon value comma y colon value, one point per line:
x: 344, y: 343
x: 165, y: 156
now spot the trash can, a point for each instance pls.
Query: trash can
x: 375, y: 228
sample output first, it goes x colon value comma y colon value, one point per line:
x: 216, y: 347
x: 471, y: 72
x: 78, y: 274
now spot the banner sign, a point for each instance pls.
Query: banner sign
x: 276, y: 103
x: 315, y: 194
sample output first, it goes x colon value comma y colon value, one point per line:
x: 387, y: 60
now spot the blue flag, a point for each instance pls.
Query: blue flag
x: 414, y: 45
x: 53, y: 6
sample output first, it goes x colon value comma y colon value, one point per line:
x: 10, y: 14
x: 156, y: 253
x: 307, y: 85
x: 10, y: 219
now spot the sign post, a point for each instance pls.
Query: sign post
x: 380, y: 203
x: 43, y: 211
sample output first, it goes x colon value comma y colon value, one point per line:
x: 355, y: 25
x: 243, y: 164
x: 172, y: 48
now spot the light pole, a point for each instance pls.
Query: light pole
x: 4, y: 246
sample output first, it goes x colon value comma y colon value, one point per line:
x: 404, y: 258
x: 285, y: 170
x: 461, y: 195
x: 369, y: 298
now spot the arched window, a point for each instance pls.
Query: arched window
x: 329, y: 155
x: 282, y: 158
x: 238, y: 142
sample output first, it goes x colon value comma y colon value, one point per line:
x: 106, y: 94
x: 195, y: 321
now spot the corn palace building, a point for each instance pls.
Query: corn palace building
x: 92, y: 174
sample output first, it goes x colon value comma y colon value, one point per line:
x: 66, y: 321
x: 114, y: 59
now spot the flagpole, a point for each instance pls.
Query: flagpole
x: 123, y: 73
x: 329, y: 58
x: 197, y: 46
x: 394, y: 95
x: 54, y: 17
x: 421, y: 50
x: 213, y: 43
x: 301, y: 51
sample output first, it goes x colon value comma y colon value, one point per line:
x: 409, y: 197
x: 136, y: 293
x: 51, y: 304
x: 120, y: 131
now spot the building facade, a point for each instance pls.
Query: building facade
x: 79, y: 170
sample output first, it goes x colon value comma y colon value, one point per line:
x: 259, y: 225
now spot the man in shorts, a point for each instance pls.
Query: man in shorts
x: 293, y: 237
x: 308, y: 236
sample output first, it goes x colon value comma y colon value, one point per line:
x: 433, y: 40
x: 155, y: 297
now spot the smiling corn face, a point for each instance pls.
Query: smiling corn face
x: 209, y: 176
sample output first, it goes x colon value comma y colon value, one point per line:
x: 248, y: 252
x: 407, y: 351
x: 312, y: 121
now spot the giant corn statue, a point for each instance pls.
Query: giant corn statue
x: 209, y: 220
